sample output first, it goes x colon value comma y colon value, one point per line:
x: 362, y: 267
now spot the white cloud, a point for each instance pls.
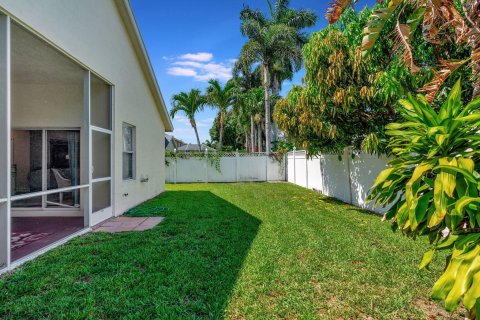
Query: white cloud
x: 190, y: 65
x: 182, y: 72
x: 200, y: 56
x: 215, y: 71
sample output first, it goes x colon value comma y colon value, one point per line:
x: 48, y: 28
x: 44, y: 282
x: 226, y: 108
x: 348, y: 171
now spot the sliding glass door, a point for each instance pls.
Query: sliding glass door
x: 63, y: 167
x: 45, y: 160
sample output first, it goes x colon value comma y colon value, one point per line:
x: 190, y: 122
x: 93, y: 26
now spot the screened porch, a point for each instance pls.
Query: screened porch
x: 57, y: 134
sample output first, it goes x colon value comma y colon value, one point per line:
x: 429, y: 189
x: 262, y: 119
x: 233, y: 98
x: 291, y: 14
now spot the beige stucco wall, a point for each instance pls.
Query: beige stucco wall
x: 92, y: 32
x: 51, y: 105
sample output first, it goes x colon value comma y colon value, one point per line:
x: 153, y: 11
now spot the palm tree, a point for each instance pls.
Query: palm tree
x: 254, y: 101
x: 189, y: 103
x: 275, y: 40
x: 284, y: 69
x: 221, y: 98
x: 249, y: 82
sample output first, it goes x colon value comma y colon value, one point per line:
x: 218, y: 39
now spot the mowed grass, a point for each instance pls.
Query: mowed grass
x: 233, y: 251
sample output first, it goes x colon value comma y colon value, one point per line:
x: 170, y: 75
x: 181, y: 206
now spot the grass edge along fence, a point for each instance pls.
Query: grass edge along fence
x: 348, y: 177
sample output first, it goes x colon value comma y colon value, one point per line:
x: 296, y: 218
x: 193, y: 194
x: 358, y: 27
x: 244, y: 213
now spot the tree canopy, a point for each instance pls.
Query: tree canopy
x: 348, y: 97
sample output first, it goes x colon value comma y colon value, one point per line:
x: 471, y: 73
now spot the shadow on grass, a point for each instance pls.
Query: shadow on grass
x: 185, y: 268
x: 349, y: 207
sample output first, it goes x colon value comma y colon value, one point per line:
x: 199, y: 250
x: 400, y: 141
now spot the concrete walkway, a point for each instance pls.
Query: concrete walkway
x: 124, y: 224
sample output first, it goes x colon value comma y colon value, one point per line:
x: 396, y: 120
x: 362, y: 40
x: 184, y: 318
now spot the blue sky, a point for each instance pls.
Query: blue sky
x: 192, y: 41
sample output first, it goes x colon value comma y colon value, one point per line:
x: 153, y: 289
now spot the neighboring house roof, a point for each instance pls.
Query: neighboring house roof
x: 169, y: 139
x: 194, y: 147
x: 132, y: 28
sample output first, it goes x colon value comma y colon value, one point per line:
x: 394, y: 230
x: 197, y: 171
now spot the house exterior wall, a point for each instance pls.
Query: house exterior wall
x: 92, y: 33
x: 48, y: 105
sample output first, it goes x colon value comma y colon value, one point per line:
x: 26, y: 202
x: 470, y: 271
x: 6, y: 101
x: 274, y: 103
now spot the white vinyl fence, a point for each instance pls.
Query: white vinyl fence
x: 348, y: 179
x: 234, y: 167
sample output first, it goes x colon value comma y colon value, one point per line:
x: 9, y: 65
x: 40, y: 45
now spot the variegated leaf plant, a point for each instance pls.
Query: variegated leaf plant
x: 432, y: 187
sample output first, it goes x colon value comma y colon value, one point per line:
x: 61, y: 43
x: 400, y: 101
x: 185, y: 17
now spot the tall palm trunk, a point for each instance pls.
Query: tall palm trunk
x: 266, y: 85
x: 252, y: 134
x: 259, y: 137
x: 220, y: 131
x: 275, y: 84
x: 276, y: 92
x: 254, y: 141
x: 194, y: 125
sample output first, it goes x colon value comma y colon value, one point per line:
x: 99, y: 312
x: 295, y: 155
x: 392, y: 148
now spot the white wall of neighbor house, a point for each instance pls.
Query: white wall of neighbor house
x: 92, y: 33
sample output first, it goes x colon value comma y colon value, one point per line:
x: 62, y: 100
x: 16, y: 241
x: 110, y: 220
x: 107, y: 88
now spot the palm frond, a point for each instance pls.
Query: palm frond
x: 189, y: 103
x: 278, y: 35
x: 446, y: 68
x: 252, y: 29
x: 221, y: 97
x: 402, y: 46
x: 376, y: 23
x: 251, y: 53
x: 249, y: 14
x: 281, y: 8
x: 429, y: 27
x: 301, y: 19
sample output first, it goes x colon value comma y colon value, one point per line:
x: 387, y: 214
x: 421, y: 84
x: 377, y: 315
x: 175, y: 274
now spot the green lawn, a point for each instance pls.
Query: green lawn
x: 235, y: 251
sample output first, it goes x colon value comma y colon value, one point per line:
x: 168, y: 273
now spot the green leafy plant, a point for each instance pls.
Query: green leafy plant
x: 432, y: 186
x: 346, y: 100
x: 214, y: 158
x: 442, y: 24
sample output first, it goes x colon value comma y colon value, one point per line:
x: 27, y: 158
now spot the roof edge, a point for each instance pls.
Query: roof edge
x: 131, y: 25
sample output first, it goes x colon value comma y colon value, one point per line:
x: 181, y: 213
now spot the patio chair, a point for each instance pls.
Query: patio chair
x: 62, y: 182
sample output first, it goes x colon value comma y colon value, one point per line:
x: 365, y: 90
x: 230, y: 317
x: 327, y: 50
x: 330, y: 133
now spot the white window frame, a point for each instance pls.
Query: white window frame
x: 133, y: 152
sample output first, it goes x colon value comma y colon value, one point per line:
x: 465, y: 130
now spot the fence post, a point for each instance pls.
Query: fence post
x: 237, y: 159
x: 294, y: 166
x: 348, y: 157
x: 321, y: 165
x: 266, y: 167
x: 306, y: 168
x: 175, y: 170
x: 206, y: 165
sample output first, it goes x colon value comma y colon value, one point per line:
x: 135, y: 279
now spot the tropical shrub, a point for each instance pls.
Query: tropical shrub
x: 443, y: 24
x: 346, y: 100
x: 432, y: 186
x: 232, y: 136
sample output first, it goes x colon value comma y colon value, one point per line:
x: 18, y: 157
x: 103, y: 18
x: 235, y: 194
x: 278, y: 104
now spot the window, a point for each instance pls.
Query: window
x: 128, y: 152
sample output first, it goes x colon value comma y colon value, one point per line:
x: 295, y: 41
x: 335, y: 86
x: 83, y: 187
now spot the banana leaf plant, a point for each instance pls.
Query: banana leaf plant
x: 432, y: 187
